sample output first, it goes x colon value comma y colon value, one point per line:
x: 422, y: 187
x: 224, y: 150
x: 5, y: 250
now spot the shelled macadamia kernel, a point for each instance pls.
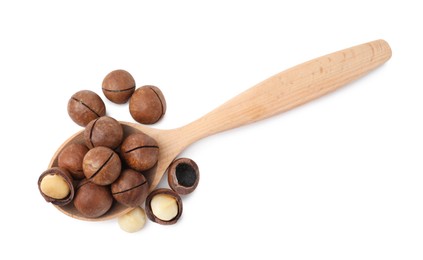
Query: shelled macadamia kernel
x: 132, y: 221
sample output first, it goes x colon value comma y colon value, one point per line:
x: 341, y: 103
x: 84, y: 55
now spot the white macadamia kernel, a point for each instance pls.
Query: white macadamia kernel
x: 54, y: 186
x: 164, y: 207
x: 132, y: 221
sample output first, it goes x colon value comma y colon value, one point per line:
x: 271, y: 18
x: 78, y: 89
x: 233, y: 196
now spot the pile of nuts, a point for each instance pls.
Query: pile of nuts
x: 107, y: 168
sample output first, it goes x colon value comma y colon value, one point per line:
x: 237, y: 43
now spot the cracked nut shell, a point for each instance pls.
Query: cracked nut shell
x: 103, y: 131
x: 118, y: 86
x: 150, y: 212
x: 147, y: 105
x: 130, y: 189
x: 183, y: 176
x: 68, y: 180
x: 70, y: 158
x: 140, y: 151
x: 92, y: 200
x: 101, y: 165
x: 85, y: 106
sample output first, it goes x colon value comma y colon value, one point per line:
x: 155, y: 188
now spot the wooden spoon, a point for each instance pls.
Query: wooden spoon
x: 277, y: 94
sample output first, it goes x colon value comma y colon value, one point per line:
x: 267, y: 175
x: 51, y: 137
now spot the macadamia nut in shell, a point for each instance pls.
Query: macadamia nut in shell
x: 130, y: 189
x: 70, y: 158
x: 147, y: 105
x: 101, y: 165
x: 118, y: 86
x: 56, y: 186
x: 103, y: 131
x: 140, y: 151
x: 85, y: 106
x: 92, y: 200
x: 163, y: 206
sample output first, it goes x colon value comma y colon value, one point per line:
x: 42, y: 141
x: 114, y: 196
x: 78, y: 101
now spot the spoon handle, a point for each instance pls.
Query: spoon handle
x: 292, y: 87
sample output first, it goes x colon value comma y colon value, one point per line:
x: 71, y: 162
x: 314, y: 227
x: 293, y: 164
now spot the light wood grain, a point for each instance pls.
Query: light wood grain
x: 291, y: 88
x: 283, y: 91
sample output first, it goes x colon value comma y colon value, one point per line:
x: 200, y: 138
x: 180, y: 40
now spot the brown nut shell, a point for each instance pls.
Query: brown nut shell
x: 140, y: 151
x: 70, y: 158
x: 68, y: 179
x: 85, y: 106
x: 147, y: 104
x: 103, y: 131
x: 101, y: 165
x: 150, y: 213
x: 130, y: 189
x: 183, y: 176
x: 92, y: 200
x: 118, y: 86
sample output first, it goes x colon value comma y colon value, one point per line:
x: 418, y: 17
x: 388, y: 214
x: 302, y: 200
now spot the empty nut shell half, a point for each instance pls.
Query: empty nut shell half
x: 169, y: 204
x: 65, y: 186
x: 183, y: 176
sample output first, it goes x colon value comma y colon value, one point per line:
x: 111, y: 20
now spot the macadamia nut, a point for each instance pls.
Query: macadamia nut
x: 147, y: 104
x: 54, y: 186
x: 132, y: 221
x: 164, y: 207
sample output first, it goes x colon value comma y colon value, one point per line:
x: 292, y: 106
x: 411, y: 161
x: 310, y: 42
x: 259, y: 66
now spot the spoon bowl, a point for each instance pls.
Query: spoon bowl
x: 118, y: 209
x: 279, y: 93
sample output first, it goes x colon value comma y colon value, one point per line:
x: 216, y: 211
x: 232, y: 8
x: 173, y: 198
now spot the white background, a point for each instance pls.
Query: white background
x: 338, y: 178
